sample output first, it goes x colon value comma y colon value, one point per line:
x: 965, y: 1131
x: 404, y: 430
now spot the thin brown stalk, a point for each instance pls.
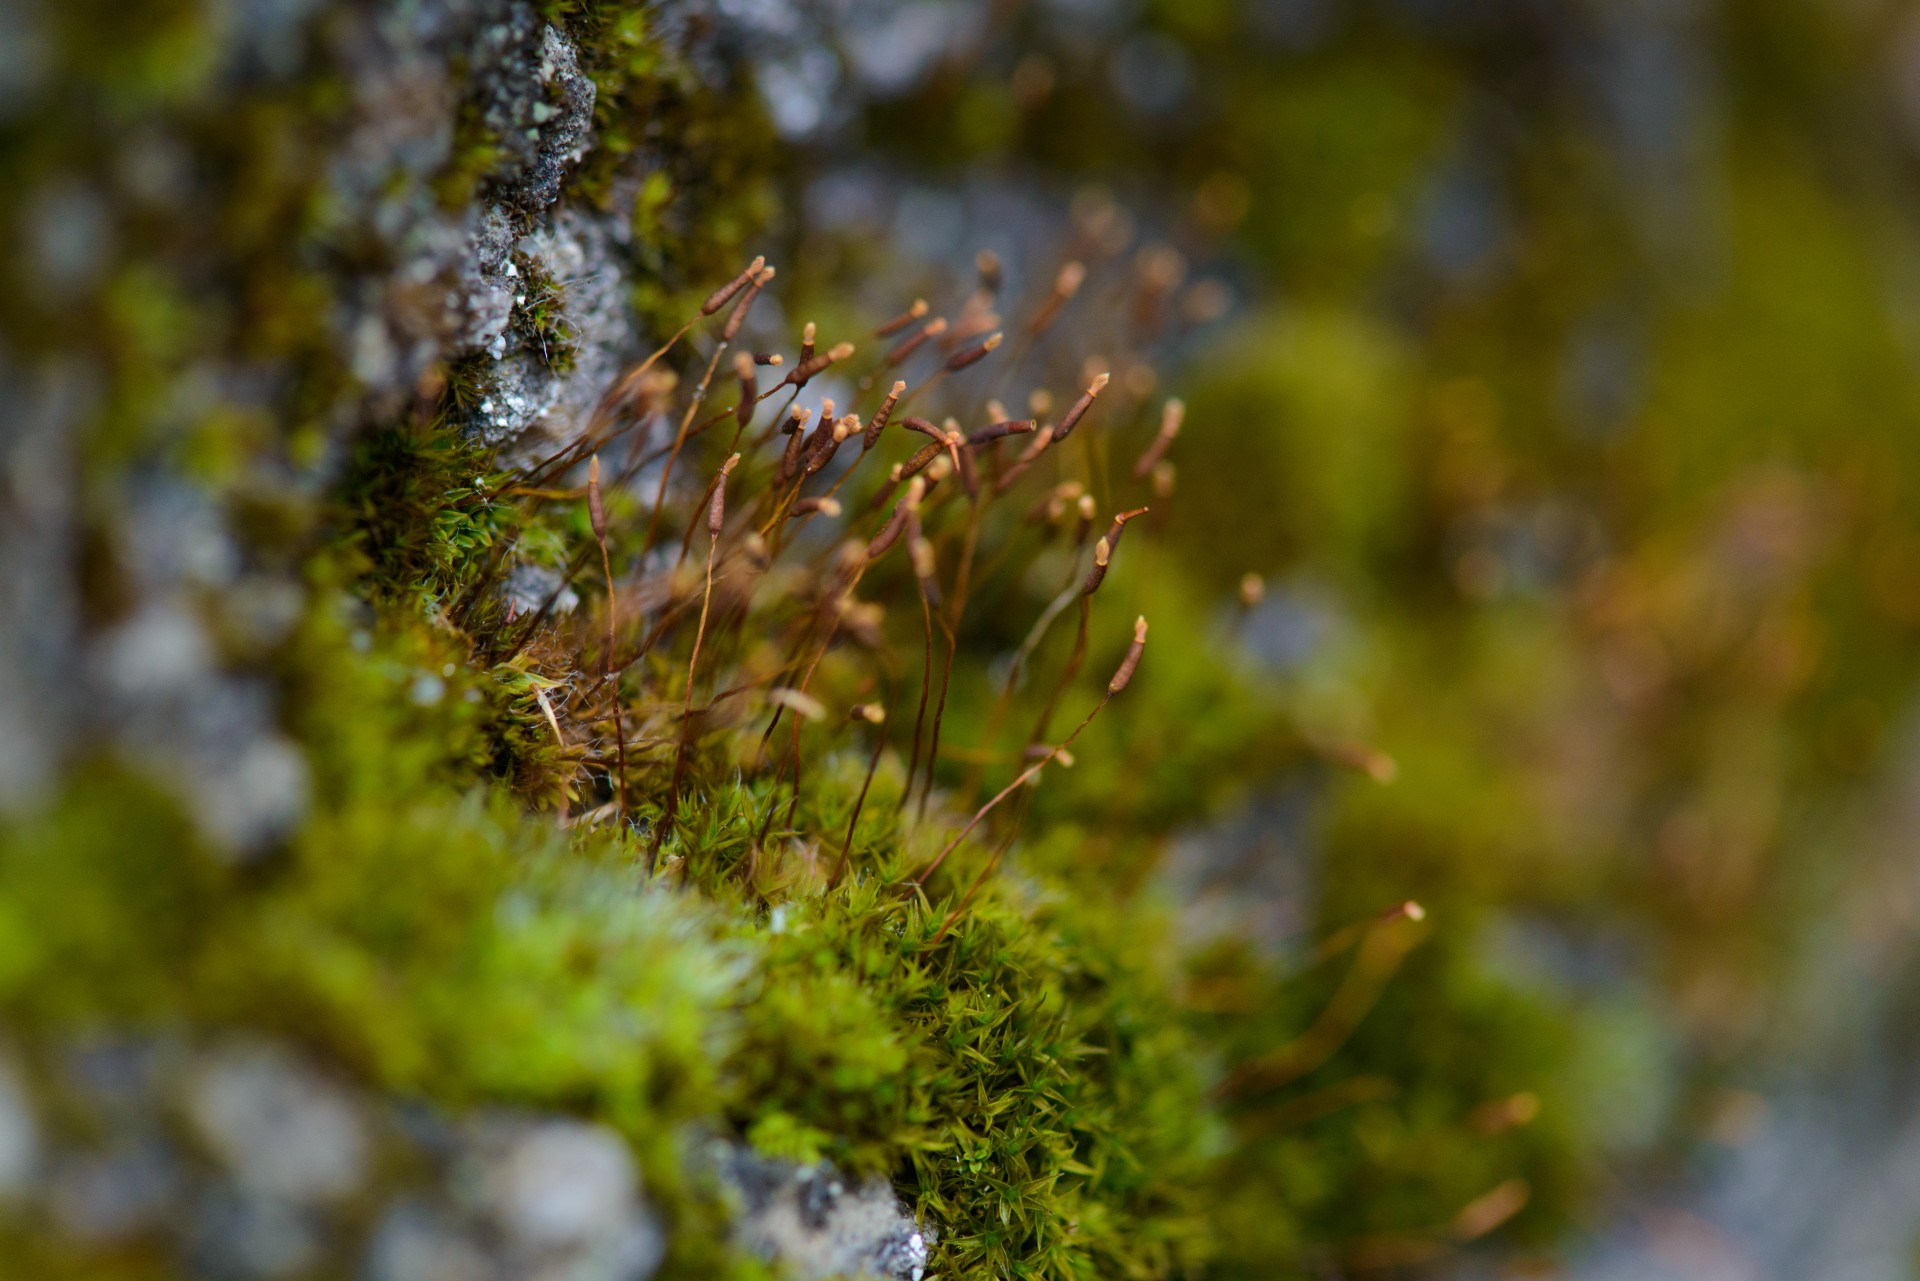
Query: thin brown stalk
x: 597, y: 517
x: 1121, y: 678
x: 716, y: 518
x: 679, y: 443
x: 876, y: 716
x: 986, y: 870
x: 926, y: 687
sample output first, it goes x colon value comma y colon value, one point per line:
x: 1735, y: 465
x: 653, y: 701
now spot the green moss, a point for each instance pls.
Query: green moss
x: 540, y: 316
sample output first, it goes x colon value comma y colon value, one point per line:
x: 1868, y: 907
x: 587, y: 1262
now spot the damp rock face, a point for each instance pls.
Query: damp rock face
x: 816, y: 1222
x: 390, y: 194
x: 243, y: 1159
x: 284, y: 1131
x: 522, y: 1196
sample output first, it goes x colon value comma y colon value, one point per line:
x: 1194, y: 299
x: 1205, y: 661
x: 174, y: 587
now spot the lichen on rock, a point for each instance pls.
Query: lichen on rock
x: 818, y: 1222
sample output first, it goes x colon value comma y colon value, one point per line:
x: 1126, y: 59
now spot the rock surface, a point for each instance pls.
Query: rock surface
x: 817, y: 1222
x: 243, y: 1159
x: 522, y: 291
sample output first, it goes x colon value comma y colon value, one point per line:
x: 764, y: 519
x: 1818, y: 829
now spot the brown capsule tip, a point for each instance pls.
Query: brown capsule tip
x: 916, y: 490
x: 1131, y: 662
x: 895, y: 472
x: 972, y: 355
x: 902, y: 320
x: 1103, y: 553
x: 596, y: 509
x: 720, y: 297
x: 899, y: 388
x: 1164, y: 477
x: 800, y: 415
x: 939, y: 469
x: 1171, y: 417
x: 996, y: 412
x: 743, y: 365
x: 1087, y: 508
x: 845, y: 428
x: 799, y: 702
x: 871, y: 713
x: 840, y: 351
x: 764, y: 276
x: 733, y: 461
x: 1413, y: 911
x: 768, y: 358
x: 1067, y: 283
x: 1099, y: 383
x: 935, y: 327
x: 1063, y: 757
x: 828, y: 507
x: 921, y: 551
x: 806, y: 335
x: 1253, y: 589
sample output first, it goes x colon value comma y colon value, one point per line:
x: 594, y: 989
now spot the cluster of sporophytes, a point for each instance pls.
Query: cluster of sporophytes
x: 772, y: 690
x: 734, y: 708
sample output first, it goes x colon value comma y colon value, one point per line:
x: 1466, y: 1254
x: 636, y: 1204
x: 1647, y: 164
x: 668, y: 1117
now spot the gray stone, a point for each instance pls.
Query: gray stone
x: 279, y: 1127
x: 563, y: 1195
x: 816, y: 1222
x: 19, y: 1135
x: 415, y: 1242
x: 528, y: 587
x: 247, y: 1237
x: 110, y: 1194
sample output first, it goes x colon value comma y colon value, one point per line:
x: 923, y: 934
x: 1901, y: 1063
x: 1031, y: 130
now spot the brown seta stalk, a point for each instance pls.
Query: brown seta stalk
x: 875, y: 715
x: 1121, y: 676
x: 597, y: 516
x: 1102, y: 558
x: 716, y: 521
